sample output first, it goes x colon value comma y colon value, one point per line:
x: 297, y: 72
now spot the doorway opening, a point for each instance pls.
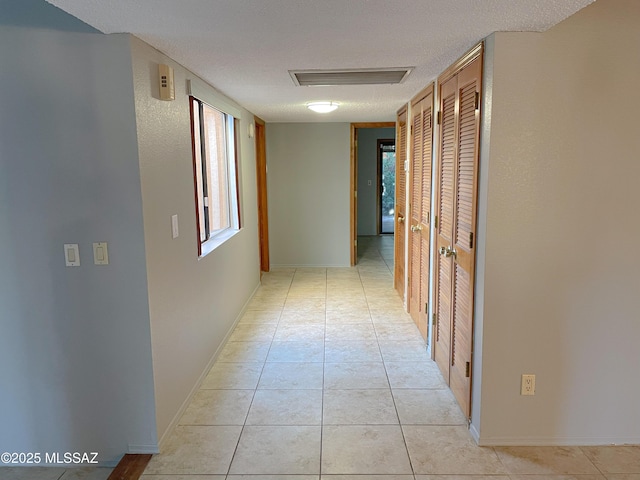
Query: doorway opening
x: 365, y: 186
x: 386, y: 185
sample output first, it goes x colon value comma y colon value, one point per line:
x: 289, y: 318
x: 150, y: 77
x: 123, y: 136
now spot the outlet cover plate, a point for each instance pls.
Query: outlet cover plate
x: 528, y: 386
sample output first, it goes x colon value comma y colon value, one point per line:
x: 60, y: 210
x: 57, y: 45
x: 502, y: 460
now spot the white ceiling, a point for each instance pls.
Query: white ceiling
x: 245, y: 48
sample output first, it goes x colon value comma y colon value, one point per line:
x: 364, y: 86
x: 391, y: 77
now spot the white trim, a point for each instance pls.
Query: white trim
x: 310, y: 265
x: 474, y: 433
x: 205, y: 92
x: 217, y: 240
x: 556, y: 441
x: 143, y: 449
x: 174, y: 422
x: 63, y: 466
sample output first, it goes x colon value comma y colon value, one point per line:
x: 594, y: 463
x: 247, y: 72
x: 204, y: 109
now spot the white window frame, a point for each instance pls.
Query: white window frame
x: 206, y: 185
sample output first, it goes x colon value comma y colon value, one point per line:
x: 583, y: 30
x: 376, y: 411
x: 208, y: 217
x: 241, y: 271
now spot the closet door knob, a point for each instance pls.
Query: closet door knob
x: 448, y: 252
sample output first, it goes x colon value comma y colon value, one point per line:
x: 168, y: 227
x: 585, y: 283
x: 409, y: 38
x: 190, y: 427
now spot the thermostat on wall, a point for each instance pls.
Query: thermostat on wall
x: 167, y: 88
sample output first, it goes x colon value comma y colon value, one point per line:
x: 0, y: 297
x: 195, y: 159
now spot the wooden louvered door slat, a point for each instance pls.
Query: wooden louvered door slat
x: 425, y: 215
x: 400, y: 202
x: 457, y: 198
x: 444, y: 225
x: 464, y: 228
x: 415, y: 211
x: 421, y: 148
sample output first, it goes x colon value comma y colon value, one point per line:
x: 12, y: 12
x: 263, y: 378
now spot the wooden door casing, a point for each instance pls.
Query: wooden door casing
x: 420, y: 207
x: 456, y: 225
x: 261, y: 177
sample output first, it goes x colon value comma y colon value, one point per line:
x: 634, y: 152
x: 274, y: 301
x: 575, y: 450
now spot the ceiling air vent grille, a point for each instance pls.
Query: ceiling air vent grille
x: 368, y: 76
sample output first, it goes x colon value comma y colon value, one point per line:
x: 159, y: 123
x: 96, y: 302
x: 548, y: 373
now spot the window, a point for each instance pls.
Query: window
x: 215, y: 175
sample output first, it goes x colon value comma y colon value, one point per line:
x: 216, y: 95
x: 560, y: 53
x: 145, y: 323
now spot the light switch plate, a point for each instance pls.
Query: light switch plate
x: 71, y: 255
x: 100, y: 253
x: 175, y: 231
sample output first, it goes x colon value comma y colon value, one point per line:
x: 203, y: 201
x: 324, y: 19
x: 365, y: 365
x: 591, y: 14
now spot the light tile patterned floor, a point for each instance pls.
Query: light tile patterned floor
x: 326, y: 378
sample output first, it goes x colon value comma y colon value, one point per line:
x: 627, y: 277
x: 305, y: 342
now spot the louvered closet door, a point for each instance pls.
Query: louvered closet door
x: 401, y: 200
x: 444, y: 226
x: 464, y: 231
x: 421, y: 150
x: 457, y: 199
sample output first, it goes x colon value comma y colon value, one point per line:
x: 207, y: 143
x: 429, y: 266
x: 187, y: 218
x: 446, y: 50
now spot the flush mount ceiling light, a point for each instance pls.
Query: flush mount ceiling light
x: 323, y: 107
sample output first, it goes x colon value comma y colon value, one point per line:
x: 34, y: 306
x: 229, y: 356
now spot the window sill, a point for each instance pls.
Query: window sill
x: 214, y: 242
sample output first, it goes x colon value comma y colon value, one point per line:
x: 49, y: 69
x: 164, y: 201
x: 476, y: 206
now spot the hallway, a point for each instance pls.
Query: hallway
x: 325, y: 373
x: 326, y: 376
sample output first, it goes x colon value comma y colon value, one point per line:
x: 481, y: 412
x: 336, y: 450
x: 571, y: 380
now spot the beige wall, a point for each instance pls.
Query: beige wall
x: 561, y: 259
x: 193, y: 303
x: 308, y: 188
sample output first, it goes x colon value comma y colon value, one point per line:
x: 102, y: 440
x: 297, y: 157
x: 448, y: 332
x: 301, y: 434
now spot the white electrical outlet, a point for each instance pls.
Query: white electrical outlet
x: 528, y: 386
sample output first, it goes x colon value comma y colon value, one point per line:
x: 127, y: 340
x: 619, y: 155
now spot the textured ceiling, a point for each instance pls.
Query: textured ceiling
x: 245, y: 48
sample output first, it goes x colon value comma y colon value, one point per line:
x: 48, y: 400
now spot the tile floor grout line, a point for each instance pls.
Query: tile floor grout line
x: 592, y: 462
x: 400, y: 424
x: 363, y: 276
x: 235, y: 450
x: 283, y: 418
x: 324, y: 362
x: 393, y: 399
x: 255, y: 390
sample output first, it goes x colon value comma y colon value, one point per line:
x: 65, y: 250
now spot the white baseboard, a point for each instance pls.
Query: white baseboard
x: 174, y: 422
x: 143, y: 449
x: 553, y: 441
x: 474, y: 433
x: 308, y: 265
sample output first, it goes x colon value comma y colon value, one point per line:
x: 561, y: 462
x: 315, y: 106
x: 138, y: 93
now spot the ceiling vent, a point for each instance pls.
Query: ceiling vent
x: 366, y: 76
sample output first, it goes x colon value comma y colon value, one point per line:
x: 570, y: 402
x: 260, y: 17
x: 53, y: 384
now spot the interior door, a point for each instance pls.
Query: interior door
x: 463, y: 252
x: 456, y: 226
x: 401, y: 201
x: 420, y: 207
x: 444, y: 226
